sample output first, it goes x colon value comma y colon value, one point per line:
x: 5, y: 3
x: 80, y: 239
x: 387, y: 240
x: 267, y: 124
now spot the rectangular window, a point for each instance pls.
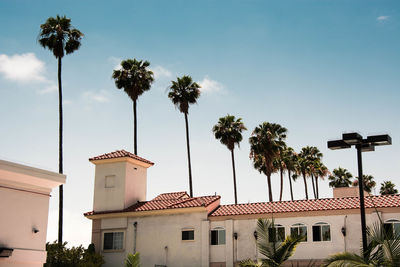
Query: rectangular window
x: 299, y: 231
x: 276, y: 234
x: 321, y: 233
x: 113, y: 241
x: 218, y: 237
x: 110, y: 181
x: 187, y: 235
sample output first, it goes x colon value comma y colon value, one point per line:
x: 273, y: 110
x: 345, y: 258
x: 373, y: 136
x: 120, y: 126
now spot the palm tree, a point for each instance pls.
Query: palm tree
x: 275, y: 253
x: 340, y: 178
x: 289, y: 158
x: 184, y: 92
x: 368, y: 181
x: 320, y: 171
x: 135, y: 77
x: 229, y: 131
x: 383, y: 249
x: 388, y: 188
x: 302, y: 166
x: 61, y: 38
x: 132, y: 260
x: 266, y: 142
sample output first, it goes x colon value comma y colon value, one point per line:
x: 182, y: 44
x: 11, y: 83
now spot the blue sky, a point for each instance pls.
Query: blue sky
x: 319, y: 68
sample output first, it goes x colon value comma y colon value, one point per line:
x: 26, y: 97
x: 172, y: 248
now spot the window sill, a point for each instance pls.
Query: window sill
x: 113, y: 250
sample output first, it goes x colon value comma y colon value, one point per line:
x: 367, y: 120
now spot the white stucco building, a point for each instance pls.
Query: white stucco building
x: 24, y: 207
x: 174, y: 229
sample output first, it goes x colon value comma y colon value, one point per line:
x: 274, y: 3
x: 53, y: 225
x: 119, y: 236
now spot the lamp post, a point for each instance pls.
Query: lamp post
x: 362, y: 145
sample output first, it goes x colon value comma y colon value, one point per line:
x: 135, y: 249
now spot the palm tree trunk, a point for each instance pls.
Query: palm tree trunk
x: 305, y: 184
x: 313, y: 186
x: 134, y: 128
x: 316, y: 186
x: 60, y: 155
x: 290, y: 184
x: 234, y: 176
x: 188, y: 151
x: 269, y: 188
x: 281, y: 193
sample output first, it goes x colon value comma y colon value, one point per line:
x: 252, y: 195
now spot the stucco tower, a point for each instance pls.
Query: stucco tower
x: 120, y: 180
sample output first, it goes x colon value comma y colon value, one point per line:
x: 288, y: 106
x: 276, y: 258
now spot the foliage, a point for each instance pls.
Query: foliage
x: 58, y: 36
x: 275, y: 253
x: 266, y: 142
x: 183, y: 92
x: 58, y: 255
x: 132, y: 260
x: 229, y: 131
x: 368, y: 181
x: 134, y: 77
x: 383, y: 249
x: 388, y: 188
x: 340, y: 178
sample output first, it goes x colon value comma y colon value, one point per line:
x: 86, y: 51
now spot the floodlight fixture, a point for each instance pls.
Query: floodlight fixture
x: 380, y: 140
x: 352, y: 138
x: 338, y: 144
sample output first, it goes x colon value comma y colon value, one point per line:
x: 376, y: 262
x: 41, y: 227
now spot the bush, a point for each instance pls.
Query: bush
x: 58, y: 255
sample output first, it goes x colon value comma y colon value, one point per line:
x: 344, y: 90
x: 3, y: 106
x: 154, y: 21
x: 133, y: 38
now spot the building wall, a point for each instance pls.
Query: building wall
x: 24, y: 205
x: 245, y: 245
x: 159, y: 239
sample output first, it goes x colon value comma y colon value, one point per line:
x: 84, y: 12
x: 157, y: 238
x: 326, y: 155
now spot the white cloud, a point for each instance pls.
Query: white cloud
x: 23, y: 68
x: 116, y: 61
x: 382, y: 18
x: 208, y: 85
x: 48, y: 89
x: 161, y: 72
x: 99, y: 97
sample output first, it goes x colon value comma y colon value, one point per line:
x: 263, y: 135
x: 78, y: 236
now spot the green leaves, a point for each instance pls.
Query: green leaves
x: 132, y: 260
x: 184, y: 92
x: 58, y: 36
x: 340, y: 178
x: 134, y: 77
x: 229, y: 131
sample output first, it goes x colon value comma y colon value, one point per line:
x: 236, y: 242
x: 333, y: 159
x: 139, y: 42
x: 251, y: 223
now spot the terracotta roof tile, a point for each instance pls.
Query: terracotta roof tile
x: 120, y: 154
x: 307, y: 205
x: 166, y: 201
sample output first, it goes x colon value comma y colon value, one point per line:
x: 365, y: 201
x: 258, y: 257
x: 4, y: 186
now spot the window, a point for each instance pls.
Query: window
x: 321, y: 232
x: 218, y: 236
x: 113, y: 241
x: 392, y: 228
x: 299, y: 229
x: 110, y: 181
x: 277, y: 233
x: 187, y: 234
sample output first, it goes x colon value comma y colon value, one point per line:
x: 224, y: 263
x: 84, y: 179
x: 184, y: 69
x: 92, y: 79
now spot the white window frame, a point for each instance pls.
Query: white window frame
x: 297, y: 226
x: 276, y: 227
x: 188, y: 229
x: 113, y: 231
x: 320, y: 224
x: 218, y: 229
x: 393, y: 222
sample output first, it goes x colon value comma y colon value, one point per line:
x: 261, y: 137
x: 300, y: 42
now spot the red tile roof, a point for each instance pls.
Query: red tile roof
x: 306, y: 205
x: 120, y: 154
x: 166, y: 201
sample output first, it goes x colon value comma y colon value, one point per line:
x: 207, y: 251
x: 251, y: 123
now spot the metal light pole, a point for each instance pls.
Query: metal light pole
x: 362, y: 145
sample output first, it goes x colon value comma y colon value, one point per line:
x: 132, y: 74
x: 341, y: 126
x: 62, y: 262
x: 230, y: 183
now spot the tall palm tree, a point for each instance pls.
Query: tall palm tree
x: 279, y: 164
x: 320, y: 171
x: 266, y: 142
x: 289, y: 158
x: 229, y: 131
x: 303, y: 166
x: 57, y: 35
x: 340, y: 178
x: 275, y: 253
x: 135, y: 77
x: 184, y: 92
x: 368, y: 181
x: 388, y: 188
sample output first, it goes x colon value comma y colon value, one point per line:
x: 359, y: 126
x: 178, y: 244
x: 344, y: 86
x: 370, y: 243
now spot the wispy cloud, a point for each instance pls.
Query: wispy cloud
x: 116, y: 61
x: 22, y: 68
x: 382, y: 18
x: 48, y: 89
x: 98, y: 97
x: 161, y: 72
x: 209, y: 86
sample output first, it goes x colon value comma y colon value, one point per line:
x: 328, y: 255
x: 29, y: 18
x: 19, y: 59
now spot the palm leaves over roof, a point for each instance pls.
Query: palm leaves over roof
x: 58, y: 35
x: 340, y: 178
x: 134, y: 77
x: 184, y: 92
x: 229, y: 131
